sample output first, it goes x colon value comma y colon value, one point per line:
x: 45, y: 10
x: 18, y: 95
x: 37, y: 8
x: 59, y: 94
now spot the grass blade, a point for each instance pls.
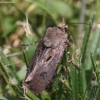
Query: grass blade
x: 93, y: 48
x: 32, y: 96
x: 86, y: 37
x: 6, y: 77
x: 10, y: 66
x: 94, y: 67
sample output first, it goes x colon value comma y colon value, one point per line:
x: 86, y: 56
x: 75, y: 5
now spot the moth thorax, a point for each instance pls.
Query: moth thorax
x: 63, y: 26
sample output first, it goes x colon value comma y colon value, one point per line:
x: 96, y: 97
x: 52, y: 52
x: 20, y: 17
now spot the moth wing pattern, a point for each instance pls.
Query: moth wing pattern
x: 45, y: 60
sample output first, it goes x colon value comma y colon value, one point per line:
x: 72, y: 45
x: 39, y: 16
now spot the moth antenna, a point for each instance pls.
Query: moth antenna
x: 80, y: 23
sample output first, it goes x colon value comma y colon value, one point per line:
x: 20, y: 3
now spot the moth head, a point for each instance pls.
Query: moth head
x: 63, y: 27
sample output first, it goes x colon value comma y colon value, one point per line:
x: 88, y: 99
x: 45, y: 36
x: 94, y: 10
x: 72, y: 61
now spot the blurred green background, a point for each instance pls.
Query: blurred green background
x: 42, y: 14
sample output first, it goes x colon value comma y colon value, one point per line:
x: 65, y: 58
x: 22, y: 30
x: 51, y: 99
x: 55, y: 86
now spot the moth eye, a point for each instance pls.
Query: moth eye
x: 48, y: 58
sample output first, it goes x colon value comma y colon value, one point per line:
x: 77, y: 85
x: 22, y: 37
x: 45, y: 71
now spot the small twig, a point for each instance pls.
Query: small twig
x: 30, y: 43
x: 14, y: 54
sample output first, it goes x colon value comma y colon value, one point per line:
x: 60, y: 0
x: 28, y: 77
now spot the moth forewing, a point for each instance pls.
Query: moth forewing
x: 45, y: 60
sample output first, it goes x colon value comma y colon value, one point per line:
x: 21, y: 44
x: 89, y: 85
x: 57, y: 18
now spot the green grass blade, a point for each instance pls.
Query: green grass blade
x: 44, y: 23
x: 45, y: 96
x: 83, y: 52
x: 93, y: 92
x: 94, y: 67
x: 93, y: 64
x: 80, y: 82
x: 76, y: 85
x: 93, y: 48
x: 40, y: 3
x: 26, y: 57
x: 73, y: 80
x: 3, y: 98
x: 15, y: 90
x: 6, y: 77
x: 32, y: 96
x: 86, y: 37
x: 10, y: 66
x: 30, y: 20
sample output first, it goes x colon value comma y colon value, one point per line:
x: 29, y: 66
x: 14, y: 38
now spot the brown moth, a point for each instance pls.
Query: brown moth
x: 46, y: 57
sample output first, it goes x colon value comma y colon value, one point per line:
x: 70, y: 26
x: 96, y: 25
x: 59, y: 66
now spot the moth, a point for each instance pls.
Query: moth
x: 46, y: 58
